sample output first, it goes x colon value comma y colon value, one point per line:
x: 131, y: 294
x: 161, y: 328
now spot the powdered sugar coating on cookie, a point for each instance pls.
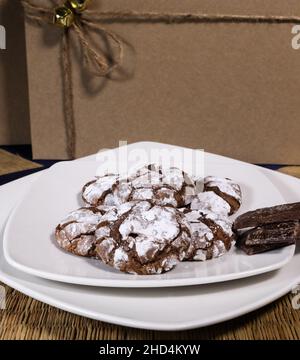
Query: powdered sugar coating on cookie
x: 170, y: 186
x: 146, y: 177
x: 175, y: 178
x: 164, y: 187
x: 97, y: 189
x: 147, y: 239
x: 225, y: 185
x: 209, y: 202
x: 216, y: 250
x: 222, y: 221
x: 226, y: 189
x: 211, y: 235
x: 75, y: 233
x: 153, y: 228
x: 160, y: 195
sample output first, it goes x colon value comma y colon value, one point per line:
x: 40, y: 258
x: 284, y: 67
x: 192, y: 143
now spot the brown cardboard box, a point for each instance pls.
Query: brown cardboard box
x: 14, y: 108
x: 232, y: 89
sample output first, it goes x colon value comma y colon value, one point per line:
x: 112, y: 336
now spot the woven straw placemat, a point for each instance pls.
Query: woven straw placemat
x: 10, y: 163
x: 26, y: 318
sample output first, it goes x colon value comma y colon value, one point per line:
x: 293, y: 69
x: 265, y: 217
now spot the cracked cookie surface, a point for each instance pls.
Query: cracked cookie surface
x: 142, y: 238
x: 169, y: 187
x: 211, y: 235
x: 76, y: 232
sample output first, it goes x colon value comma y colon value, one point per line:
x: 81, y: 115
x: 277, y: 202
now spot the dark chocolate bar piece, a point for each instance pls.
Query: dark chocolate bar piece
x: 274, y: 214
x: 252, y: 250
x: 269, y: 237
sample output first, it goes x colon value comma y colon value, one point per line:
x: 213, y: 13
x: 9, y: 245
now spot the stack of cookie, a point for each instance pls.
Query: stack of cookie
x: 150, y: 221
x: 268, y: 228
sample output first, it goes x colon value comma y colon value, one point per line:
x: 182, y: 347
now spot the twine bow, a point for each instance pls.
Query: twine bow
x: 96, y: 61
x: 82, y: 20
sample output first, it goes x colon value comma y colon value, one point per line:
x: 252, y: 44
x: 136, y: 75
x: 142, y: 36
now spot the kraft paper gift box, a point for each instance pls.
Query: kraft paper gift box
x: 14, y: 108
x: 228, y: 88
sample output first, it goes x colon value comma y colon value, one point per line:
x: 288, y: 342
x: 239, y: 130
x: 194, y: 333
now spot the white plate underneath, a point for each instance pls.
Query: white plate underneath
x: 156, y: 309
x: 29, y: 243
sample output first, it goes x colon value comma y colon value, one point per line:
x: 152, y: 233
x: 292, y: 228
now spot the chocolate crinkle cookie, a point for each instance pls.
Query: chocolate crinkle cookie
x: 142, y: 238
x: 165, y: 187
x: 109, y: 190
x: 148, y: 222
x: 211, y: 235
x: 76, y: 233
x: 225, y: 188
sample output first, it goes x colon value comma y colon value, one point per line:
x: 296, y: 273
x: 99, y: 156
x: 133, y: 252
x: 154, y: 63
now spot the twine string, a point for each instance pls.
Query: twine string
x: 169, y: 18
x: 68, y: 99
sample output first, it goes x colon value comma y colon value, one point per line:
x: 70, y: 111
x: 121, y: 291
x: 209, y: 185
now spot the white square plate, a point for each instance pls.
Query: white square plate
x: 29, y: 243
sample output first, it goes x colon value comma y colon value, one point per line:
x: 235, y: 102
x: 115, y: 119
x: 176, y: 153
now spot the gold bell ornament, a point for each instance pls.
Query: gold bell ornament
x: 78, y: 5
x: 64, y: 15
